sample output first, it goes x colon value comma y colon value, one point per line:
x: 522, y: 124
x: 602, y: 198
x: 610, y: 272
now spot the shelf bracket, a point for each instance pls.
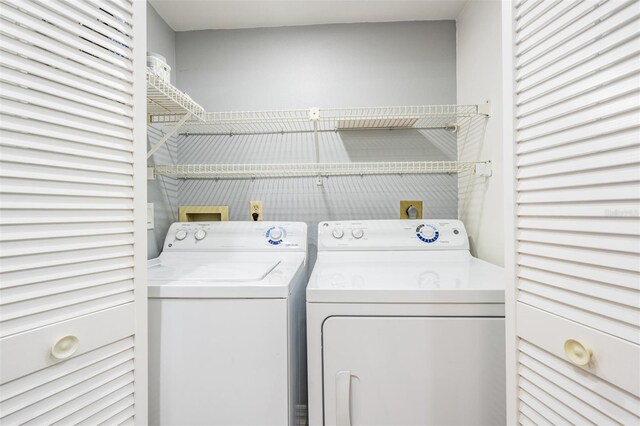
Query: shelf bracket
x: 483, y: 169
x: 484, y: 109
x: 314, y: 114
x: 166, y: 137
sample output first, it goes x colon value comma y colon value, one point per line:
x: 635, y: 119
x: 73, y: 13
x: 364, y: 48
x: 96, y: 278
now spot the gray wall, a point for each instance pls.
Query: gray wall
x: 161, y: 39
x: 328, y: 66
x: 400, y: 63
x: 162, y: 192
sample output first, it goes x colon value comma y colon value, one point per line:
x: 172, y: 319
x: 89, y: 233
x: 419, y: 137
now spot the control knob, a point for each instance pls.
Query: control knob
x: 337, y: 233
x: 275, y: 234
x: 181, y: 234
x: 357, y: 233
x: 200, y: 234
x: 428, y: 232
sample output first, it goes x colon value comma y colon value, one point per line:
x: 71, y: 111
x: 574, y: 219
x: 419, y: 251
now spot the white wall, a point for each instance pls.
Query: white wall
x: 479, y: 62
x: 332, y: 66
x: 162, y: 192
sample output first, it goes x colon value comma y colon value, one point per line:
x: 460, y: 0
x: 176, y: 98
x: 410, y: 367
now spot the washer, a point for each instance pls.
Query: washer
x: 226, y: 324
x: 404, y: 327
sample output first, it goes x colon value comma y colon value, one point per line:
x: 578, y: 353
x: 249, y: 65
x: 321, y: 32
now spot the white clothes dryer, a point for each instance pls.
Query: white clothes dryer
x: 226, y: 324
x: 404, y: 327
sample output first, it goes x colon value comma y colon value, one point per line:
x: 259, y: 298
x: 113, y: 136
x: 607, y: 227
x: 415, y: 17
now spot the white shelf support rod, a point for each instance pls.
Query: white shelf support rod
x: 166, y: 137
x: 314, y: 116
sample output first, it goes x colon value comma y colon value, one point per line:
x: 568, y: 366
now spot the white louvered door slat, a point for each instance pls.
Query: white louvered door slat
x: 576, y: 69
x: 72, y: 83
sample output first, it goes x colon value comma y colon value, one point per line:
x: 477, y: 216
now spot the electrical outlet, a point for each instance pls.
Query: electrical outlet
x: 255, y: 210
x: 406, y: 207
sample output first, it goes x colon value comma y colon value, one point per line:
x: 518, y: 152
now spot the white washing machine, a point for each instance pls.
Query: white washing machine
x: 404, y: 327
x: 226, y: 324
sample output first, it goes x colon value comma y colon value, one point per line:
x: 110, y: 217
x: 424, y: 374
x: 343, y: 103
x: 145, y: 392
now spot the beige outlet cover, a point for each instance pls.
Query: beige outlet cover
x: 404, y: 205
x: 204, y: 213
x: 255, y: 207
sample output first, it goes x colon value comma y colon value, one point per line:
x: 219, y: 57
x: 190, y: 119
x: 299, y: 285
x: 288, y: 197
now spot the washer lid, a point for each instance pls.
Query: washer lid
x: 405, y: 277
x: 212, y: 272
x: 223, y: 275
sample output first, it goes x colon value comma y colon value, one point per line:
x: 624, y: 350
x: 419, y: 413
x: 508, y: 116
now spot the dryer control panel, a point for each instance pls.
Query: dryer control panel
x: 411, y: 235
x: 236, y: 236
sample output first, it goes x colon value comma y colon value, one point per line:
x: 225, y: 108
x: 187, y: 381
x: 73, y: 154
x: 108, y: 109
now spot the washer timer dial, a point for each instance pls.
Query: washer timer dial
x: 427, y: 233
x: 275, y: 235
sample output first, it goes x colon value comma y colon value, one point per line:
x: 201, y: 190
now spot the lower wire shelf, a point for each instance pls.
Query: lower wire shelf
x: 251, y: 171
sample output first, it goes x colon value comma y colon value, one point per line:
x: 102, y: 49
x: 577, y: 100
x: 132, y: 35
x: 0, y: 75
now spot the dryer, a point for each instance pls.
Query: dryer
x: 226, y: 324
x: 404, y: 327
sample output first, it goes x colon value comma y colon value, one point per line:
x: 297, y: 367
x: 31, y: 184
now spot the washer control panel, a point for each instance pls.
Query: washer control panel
x: 393, y: 235
x: 232, y: 236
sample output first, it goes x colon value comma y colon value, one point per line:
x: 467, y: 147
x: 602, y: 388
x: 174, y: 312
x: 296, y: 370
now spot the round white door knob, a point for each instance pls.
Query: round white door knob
x: 337, y: 233
x: 181, y: 235
x: 577, y: 352
x: 200, y: 234
x: 357, y: 233
x: 275, y: 234
x: 64, y: 347
x: 427, y: 232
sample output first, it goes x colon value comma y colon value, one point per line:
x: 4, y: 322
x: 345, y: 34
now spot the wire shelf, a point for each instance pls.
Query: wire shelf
x: 326, y: 120
x: 249, y: 171
x: 164, y: 99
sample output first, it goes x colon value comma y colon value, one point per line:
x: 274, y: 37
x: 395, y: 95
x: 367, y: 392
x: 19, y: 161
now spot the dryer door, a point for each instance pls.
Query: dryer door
x: 413, y: 371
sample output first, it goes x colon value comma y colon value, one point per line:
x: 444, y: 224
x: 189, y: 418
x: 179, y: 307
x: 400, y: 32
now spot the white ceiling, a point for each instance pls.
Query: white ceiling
x: 187, y: 15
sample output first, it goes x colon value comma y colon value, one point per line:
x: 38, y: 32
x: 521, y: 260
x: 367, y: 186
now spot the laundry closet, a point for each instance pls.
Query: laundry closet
x: 385, y: 95
x: 290, y: 132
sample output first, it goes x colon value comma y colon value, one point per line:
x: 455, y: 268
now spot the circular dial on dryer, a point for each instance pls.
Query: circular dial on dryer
x: 357, y: 233
x: 180, y: 235
x: 427, y: 233
x: 275, y: 235
x: 200, y: 234
x: 337, y: 233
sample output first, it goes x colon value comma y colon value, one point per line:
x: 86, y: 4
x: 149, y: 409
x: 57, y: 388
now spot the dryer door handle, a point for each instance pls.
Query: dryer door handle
x: 343, y: 398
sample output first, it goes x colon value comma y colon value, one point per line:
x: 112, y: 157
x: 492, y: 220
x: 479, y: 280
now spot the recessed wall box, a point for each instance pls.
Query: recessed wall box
x: 411, y: 209
x: 204, y: 213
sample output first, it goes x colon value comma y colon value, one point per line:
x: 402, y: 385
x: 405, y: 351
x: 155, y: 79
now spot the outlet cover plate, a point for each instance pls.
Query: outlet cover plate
x: 255, y: 207
x: 404, y: 205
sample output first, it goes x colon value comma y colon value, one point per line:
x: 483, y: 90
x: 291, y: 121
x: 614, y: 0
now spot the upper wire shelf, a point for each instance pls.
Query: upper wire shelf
x: 165, y: 99
x: 315, y: 120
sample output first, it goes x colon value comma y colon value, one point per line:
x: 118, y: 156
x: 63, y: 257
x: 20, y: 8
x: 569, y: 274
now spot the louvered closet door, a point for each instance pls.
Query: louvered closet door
x: 71, y: 229
x: 577, y: 189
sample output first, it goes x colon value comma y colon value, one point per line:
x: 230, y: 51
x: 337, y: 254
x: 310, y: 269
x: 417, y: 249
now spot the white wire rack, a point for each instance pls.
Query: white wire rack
x: 248, y: 171
x: 165, y: 99
x: 326, y: 119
